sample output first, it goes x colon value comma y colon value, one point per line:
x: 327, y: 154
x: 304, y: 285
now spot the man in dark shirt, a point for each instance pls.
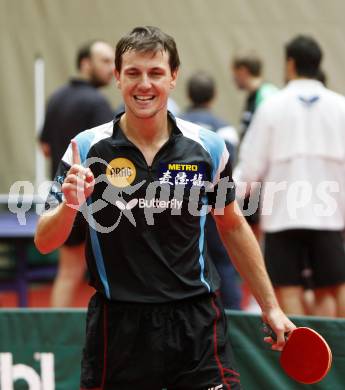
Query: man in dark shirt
x: 145, y: 182
x: 78, y: 105
x: 75, y: 107
x: 247, y: 75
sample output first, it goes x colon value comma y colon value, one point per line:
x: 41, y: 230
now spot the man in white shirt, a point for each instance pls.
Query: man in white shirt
x: 295, y: 146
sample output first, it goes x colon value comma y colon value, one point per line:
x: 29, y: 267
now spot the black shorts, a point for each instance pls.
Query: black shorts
x: 288, y: 253
x: 78, y: 233
x: 179, y: 345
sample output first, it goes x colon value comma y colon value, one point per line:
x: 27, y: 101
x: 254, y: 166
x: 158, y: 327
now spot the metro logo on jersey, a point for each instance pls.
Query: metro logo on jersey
x: 183, y: 167
x: 176, y: 173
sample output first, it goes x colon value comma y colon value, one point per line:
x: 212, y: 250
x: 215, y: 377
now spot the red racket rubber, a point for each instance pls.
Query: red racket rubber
x: 306, y: 357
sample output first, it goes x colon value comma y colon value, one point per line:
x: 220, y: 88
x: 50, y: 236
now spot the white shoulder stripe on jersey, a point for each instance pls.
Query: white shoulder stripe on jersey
x: 192, y: 131
x: 229, y: 134
x: 223, y: 161
x: 86, y: 139
x: 189, y: 130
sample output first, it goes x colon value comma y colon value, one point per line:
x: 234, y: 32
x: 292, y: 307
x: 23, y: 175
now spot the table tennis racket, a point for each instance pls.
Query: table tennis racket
x: 306, y: 356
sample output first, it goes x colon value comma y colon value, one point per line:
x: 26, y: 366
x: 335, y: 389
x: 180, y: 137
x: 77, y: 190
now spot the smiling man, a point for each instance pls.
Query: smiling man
x: 156, y: 319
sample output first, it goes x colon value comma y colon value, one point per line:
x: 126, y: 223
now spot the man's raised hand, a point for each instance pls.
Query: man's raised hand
x: 79, y: 182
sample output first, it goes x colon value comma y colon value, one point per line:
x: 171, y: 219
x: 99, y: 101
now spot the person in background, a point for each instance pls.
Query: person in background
x: 296, y: 141
x: 75, y: 107
x: 247, y: 72
x: 201, y: 91
x: 329, y: 303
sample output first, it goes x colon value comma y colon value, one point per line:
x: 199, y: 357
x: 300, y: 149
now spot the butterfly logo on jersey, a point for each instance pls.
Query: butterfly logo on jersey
x: 127, y: 206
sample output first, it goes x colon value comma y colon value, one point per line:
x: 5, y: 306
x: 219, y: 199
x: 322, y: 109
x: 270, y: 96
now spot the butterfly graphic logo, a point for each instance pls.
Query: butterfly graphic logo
x: 126, y: 206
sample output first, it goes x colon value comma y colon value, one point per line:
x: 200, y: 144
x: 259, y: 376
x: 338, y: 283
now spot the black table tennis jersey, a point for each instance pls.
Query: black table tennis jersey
x: 146, y: 238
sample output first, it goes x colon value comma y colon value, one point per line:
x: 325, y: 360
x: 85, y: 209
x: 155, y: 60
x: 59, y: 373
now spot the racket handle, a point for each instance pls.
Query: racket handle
x: 268, y: 331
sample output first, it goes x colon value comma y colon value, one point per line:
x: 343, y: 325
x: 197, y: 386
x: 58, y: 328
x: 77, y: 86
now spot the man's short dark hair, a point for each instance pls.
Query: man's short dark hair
x: 201, y: 88
x: 147, y: 39
x: 307, y: 55
x: 84, y: 52
x: 249, y: 61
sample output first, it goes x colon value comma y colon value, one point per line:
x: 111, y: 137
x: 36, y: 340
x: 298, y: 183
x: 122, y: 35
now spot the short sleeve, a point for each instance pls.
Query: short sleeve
x: 224, y: 191
x: 55, y: 195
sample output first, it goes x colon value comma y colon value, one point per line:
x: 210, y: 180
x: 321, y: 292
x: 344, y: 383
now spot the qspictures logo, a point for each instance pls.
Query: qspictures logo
x: 121, y: 172
x: 322, y: 200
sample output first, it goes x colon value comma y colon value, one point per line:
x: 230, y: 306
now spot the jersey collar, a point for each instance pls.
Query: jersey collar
x: 119, y: 138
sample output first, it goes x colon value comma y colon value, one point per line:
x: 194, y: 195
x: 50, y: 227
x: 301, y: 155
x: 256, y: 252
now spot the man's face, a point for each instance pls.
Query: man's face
x: 145, y: 81
x: 101, y: 64
x: 241, y: 76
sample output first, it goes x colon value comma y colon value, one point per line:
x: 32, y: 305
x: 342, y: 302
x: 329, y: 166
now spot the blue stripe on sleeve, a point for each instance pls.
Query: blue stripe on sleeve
x: 214, y: 145
x: 84, y: 141
x: 202, y: 245
x: 97, y: 252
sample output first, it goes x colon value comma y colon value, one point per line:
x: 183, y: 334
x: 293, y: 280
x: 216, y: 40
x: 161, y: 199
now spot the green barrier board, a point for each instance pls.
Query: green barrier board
x: 259, y: 366
x: 41, y: 350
